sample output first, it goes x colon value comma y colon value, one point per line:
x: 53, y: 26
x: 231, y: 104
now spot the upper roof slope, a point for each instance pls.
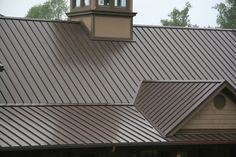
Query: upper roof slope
x: 56, y: 62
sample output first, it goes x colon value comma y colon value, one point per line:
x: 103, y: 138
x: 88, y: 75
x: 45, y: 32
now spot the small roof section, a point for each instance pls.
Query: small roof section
x: 75, y: 126
x: 168, y: 105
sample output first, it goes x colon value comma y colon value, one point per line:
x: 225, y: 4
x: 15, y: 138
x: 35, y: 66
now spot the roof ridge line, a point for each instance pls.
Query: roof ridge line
x: 183, y: 81
x: 39, y: 20
x: 135, y: 25
x: 61, y: 104
x: 179, y: 27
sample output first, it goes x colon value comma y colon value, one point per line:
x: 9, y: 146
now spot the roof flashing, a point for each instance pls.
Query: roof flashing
x: 1, y: 68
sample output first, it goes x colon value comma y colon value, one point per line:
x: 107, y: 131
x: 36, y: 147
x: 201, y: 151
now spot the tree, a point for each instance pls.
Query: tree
x: 227, y: 14
x: 51, y: 9
x: 178, y: 17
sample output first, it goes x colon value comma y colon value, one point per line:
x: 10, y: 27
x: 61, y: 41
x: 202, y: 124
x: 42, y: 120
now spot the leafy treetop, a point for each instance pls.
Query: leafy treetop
x: 51, y: 10
x: 178, y: 17
x: 227, y: 14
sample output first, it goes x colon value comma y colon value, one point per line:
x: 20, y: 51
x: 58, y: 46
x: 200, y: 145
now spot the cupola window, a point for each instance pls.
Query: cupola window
x: 120, y: 3
x: 86, y: 2
x: 78, y: 3
x: 104, y: 2
x: 82, y: 3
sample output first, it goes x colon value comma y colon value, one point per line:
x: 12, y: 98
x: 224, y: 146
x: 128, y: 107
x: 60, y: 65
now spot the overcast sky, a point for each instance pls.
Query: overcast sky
x: 150, y: 12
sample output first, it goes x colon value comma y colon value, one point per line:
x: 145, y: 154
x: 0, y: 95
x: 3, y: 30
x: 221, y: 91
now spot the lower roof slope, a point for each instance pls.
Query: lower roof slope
x: 79, y: 126
x: 56, y: 62
x: 76, y: 126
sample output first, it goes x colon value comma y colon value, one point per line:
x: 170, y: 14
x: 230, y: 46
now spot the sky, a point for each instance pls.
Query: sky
x: 150, y: 12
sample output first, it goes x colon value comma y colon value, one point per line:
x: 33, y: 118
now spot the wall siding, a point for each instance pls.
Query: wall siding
x: 212, y: 118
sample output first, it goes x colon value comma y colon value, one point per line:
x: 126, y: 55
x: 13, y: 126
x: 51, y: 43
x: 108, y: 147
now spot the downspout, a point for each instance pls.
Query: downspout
x: 113, y: 149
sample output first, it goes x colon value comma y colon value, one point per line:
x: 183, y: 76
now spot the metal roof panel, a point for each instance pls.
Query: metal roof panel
x: 26, y: 126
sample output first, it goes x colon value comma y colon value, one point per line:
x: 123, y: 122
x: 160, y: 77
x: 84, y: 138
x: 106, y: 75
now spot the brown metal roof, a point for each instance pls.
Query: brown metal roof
x: 168, y: 104
x: 52, y: 62
x: 28, y: 126
x: 56, y: 62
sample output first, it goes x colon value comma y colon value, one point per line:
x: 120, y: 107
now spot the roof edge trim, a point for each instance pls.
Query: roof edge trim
x: 128, y: 145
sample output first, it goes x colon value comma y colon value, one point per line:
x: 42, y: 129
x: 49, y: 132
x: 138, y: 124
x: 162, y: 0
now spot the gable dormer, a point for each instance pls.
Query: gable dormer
x: 218, y: 115
x: 174, y: 107
x: 104, y: 19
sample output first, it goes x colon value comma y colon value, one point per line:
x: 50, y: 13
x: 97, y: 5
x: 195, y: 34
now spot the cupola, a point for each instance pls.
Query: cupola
x: 104, y: 19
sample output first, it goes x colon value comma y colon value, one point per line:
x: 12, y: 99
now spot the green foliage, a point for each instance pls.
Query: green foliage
x: 51, y: 10
x: 178, y: 17
x: 227, y: 14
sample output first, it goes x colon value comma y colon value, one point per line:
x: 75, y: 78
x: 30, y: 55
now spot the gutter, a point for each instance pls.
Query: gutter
x: 113, y: 148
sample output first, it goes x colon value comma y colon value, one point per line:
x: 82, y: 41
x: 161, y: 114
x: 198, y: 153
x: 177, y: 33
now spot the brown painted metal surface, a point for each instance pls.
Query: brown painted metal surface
x: 87, y: 126
x: 51, y: 62
x: 28, y: 126
x: 56, y: 62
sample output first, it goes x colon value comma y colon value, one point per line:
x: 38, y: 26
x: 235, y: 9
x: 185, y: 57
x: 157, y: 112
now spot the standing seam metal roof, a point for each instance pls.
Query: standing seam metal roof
x: 60, y: 126
x: 34, y: 126
x: 52, y: 62
x: 56, y: 62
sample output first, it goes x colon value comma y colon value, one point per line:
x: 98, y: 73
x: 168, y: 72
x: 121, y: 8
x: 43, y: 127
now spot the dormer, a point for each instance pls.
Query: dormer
x: 186, y: 107
x: 104, y: 19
